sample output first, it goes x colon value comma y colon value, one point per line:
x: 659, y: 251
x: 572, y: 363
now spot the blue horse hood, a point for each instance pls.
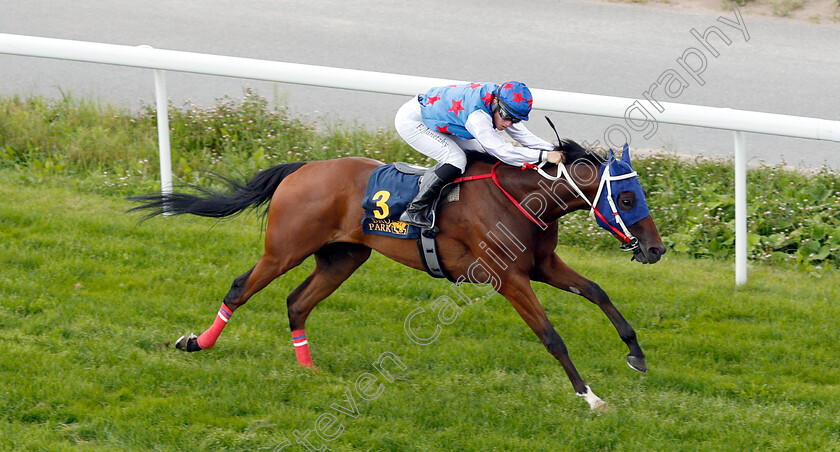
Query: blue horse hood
x: 617, y: 168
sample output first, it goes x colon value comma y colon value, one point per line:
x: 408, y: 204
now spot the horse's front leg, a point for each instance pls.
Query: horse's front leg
x: 555, y: 272
x: 525, y: 301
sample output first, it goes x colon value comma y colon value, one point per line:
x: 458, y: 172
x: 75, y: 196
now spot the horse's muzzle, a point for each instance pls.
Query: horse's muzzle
x: 649, y: 256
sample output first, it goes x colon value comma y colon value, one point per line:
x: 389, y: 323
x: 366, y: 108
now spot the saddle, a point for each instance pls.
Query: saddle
x: 390, y: 188
x: 410, y: 168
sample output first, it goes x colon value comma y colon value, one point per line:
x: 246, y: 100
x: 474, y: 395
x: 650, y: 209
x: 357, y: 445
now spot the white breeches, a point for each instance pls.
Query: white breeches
x: 441, y: 147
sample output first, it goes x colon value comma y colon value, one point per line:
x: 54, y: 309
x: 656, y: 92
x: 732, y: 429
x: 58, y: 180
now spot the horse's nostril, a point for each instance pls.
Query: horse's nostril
x: 657, y: 251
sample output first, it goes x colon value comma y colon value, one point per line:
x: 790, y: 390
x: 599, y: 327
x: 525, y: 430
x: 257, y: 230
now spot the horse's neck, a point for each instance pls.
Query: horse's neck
x: 561, y: 196
x: 557, y: 197
x: 585, y: 177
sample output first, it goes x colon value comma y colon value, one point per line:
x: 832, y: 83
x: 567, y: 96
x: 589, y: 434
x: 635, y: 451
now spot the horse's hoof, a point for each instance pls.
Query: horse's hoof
x: 636, y: 363
x: 595, y: 402
x: 600, y: 406
x: 188, y: 343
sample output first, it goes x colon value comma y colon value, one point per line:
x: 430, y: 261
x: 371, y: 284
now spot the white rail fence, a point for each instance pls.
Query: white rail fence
x: 739, y: 121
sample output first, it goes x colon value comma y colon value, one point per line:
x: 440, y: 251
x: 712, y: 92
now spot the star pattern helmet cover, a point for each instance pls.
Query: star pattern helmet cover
x: 515, y: 98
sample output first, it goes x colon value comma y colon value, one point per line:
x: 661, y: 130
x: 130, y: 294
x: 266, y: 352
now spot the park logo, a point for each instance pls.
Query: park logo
x: 392, y: 228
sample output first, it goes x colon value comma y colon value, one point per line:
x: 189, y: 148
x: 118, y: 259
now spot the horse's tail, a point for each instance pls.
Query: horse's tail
x: 215, y: 203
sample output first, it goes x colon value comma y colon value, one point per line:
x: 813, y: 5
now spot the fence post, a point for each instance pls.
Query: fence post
x: 162, y: 103
x: 740, y: 209
x: 164, y: 148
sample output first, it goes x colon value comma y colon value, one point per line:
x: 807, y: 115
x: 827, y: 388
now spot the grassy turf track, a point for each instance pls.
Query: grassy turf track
x: 91, y: 303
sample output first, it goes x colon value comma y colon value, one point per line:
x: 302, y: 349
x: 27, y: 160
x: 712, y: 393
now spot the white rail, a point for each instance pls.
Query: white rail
x: 160, y: 60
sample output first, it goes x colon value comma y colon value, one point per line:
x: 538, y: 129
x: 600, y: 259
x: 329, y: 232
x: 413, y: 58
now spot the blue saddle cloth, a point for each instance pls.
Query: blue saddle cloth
x: 388, y: 192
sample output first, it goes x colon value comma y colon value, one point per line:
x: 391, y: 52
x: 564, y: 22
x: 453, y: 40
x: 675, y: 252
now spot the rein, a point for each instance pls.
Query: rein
x: 631, y: 243
x: 492, y: 175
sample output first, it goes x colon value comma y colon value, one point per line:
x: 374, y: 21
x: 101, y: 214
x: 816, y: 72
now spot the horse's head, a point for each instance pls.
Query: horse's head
x: 622, y: 209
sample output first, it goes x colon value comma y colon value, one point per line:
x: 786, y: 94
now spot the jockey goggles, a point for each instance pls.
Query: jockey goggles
x: 506, y: 115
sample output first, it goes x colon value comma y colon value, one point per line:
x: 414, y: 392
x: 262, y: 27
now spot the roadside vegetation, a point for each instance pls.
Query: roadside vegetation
x: 794, y: 216
x: 816, y: 11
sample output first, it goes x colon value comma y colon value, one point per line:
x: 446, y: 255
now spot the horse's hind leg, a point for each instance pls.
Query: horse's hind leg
x: 555, y: 272
x: 334, y: 263
x: 244, y: 286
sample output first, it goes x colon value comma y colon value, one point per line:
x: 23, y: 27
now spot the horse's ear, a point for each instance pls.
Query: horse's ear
x: 625, y: 155
x: 612, y: 154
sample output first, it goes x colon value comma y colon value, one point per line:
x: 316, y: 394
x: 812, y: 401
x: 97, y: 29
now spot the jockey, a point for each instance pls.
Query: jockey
x: 449, y: 120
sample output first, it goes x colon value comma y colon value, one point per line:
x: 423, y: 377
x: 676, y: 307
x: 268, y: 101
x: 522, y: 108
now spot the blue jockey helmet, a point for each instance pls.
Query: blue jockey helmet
x: 515, y: 98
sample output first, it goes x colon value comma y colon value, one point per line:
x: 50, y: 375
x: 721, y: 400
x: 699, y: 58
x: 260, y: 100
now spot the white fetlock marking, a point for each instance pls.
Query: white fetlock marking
x: 594, y: 401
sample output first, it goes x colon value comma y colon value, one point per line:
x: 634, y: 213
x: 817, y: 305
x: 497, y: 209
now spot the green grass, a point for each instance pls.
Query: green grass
x: 90, y: 304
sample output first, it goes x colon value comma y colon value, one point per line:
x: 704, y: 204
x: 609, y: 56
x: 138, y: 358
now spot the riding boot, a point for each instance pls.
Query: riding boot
x: 419, y: 209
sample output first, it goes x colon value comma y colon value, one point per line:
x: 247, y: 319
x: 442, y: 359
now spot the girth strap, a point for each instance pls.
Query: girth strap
x: 429, y: 255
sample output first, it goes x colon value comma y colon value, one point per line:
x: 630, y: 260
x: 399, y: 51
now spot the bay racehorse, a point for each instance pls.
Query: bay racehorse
x: 314, y: 208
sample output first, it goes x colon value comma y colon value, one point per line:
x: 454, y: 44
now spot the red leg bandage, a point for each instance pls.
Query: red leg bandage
x: 208, y: 338
x: 302, y: 348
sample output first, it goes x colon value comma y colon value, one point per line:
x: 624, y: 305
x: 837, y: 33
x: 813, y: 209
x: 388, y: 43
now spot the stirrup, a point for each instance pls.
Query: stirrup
x: 420, y: 219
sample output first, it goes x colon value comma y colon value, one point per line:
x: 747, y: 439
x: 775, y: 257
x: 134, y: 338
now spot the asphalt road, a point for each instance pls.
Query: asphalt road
x: 583, y: 46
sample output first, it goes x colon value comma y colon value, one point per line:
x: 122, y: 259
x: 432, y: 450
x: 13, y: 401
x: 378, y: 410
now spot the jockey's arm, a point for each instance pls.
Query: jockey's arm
x: 526, y: 138
x: 480, y: 125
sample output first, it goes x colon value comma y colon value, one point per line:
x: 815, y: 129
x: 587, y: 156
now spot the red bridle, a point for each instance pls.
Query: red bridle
x: 492, y: 175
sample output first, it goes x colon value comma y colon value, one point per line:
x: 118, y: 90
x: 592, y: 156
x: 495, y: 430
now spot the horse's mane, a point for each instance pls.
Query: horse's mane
x: 571, y: 149
x: 574, y: 151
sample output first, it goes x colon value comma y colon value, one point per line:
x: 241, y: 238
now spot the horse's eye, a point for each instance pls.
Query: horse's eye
x: 626, y: 201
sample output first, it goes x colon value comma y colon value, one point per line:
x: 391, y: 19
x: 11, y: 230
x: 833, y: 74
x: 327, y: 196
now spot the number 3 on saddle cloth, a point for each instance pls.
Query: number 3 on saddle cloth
x: 390, y: 189
x: 388, y: 193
